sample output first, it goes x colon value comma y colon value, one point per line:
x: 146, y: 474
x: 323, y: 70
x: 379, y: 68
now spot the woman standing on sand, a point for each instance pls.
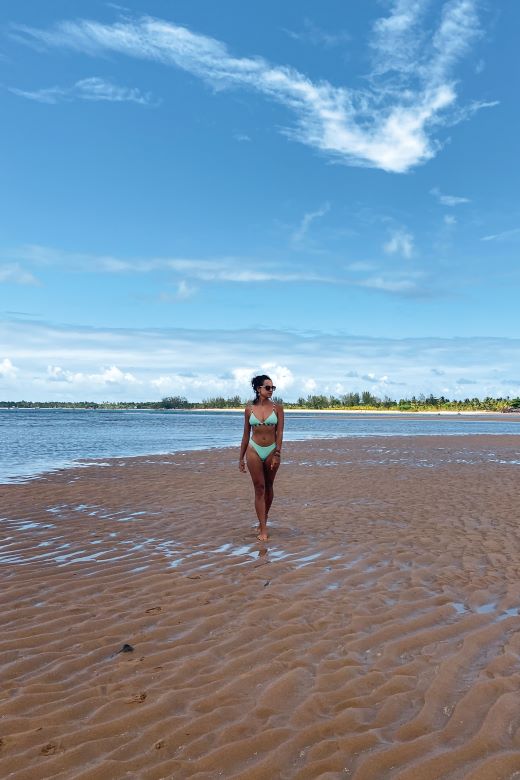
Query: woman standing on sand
x: 263, y: 421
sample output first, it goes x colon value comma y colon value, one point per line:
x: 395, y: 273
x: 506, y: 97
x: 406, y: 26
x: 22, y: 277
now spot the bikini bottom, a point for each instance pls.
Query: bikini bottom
x: 263, y: 452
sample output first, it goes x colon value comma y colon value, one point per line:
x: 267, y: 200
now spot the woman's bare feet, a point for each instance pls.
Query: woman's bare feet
x: 262, y: 537
x: 258, y: 529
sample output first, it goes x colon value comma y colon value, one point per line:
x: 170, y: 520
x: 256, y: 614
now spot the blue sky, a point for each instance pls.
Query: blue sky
x: 192, y: 193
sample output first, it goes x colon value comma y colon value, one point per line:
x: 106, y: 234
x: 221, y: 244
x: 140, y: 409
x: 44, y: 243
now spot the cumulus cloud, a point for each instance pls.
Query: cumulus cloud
x: 309, y: 385
x: 389, y: 124
x: 283, y: 374
x: 94, y: 89
x: 7, y: 370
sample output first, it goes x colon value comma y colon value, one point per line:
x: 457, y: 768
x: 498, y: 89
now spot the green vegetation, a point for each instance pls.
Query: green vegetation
x: 352, y: 401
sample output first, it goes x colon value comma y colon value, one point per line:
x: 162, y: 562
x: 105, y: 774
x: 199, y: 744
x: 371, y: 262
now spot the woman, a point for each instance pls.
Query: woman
x: 263, y: 421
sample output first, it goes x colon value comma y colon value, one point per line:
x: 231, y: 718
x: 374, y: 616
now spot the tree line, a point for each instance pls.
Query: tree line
x: 353, y: 401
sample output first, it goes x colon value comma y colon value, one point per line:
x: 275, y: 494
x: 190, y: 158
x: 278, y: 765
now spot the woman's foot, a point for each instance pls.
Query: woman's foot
x: 262, y: 537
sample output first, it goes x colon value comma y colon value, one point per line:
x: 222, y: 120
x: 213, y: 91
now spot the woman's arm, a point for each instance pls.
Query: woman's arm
x: 279, y: 432
x: 245, y: 439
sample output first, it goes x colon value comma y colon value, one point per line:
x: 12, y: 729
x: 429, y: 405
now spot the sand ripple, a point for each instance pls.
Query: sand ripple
x: 377, y: 635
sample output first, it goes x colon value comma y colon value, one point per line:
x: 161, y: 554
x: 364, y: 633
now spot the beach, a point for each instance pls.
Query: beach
x: 148, y: 634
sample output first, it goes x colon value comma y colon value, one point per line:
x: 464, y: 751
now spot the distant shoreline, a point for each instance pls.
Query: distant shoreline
x: 394, y: 412
x: 378, y: 412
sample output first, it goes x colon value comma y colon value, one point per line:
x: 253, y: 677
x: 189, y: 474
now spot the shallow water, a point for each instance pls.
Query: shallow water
x: 41, y: 440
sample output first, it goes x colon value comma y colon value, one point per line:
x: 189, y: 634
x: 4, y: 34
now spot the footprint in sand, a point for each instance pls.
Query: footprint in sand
x: 49, y: 749
x: 138, y: 698
x: 153, y: 610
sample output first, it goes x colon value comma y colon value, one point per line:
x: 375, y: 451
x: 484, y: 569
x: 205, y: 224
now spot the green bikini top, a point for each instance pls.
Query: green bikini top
x: 271, y: 420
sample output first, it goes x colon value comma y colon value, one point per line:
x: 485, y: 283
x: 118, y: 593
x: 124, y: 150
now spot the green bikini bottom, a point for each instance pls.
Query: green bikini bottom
x: 263, y: 452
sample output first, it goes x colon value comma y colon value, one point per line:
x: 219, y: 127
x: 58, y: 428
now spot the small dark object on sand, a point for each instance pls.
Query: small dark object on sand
x: 126, y: 649
x: 266, y: 583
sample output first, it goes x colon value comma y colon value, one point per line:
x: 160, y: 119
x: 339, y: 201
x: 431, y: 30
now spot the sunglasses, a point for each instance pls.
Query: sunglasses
x: 269, y: 388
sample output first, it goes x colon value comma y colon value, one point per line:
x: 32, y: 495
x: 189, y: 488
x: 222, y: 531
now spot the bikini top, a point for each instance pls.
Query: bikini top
x: 271, y: 420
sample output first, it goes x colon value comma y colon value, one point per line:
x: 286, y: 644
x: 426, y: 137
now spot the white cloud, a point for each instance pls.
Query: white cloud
x: 231, y: 269
x: 236, y: 270
x: 309, y: 385
x: 243, y: 376
x: 389, y: 285
x: 13, y: 273
x: 448, y: 200
x: 398, y: 38
x: 7, y: 370
x: 184, y: 290
x: 301, y: 232
x: 361, y: 266
x: 107, y: 376
x: 94, y: 89
x: 389, y: 124
x: 317, y: 36
x: 68, y: 362
x: 401, y: 242
x: 449, y: 219
x: 282, y: 374
x: 502, y: 236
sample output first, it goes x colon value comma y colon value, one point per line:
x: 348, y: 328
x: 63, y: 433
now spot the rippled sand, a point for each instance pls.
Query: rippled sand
x: 376, y: 635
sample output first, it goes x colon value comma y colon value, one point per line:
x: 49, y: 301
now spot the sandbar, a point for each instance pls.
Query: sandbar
x: 376, y: 635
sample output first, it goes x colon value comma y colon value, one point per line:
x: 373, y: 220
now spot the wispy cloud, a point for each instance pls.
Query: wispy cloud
x: 13, y: 273
x: 393, y: 285
x: 502, y: 236
x: 390, y: 124
x: 182, y: 292
x: 398, y: 38
x: 400, y: 242
x: 228, y: 269
x: 317, y: 36
x: 361, y: 265
x: 94, y: 89
x: 237, y: 270
x: 108, y: 376
x: 303, y: 228
x: 448, y: 200
x: 233, y: 269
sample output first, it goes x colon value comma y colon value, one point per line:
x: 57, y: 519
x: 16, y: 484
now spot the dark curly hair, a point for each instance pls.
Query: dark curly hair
x: 256, y: 382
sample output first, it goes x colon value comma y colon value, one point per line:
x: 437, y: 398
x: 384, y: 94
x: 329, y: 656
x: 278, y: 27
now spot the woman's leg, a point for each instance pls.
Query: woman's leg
x: 256, y: 469
x: 269, y: 477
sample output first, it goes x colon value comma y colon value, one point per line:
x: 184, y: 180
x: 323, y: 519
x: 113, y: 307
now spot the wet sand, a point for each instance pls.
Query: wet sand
x: 376, y: 635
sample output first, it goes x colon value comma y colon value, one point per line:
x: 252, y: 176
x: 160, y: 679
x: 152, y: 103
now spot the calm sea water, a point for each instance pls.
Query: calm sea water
x: 37, y: 440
